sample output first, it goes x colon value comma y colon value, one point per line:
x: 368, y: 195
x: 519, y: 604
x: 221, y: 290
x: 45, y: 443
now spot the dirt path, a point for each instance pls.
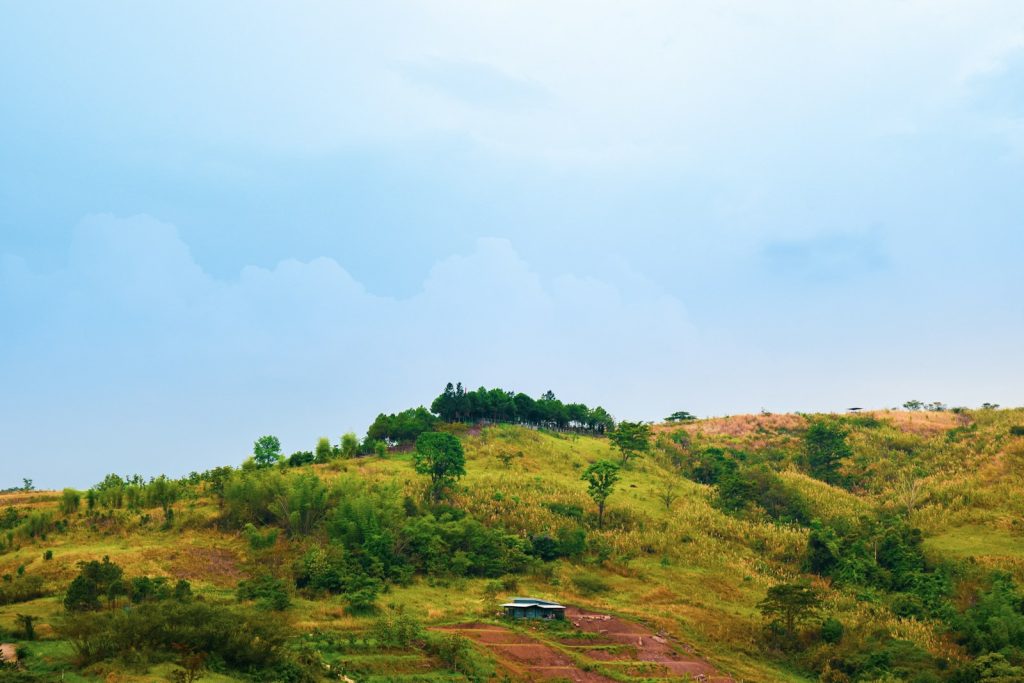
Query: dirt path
x: 523, y: 656
x: 630, y: 647
x: 641, y: 645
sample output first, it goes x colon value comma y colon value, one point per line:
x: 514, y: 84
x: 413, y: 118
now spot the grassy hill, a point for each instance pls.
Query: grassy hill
x: 920, y: 524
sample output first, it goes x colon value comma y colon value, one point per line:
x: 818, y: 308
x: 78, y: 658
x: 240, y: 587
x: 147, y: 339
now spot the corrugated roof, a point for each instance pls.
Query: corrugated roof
x: 533, y: 602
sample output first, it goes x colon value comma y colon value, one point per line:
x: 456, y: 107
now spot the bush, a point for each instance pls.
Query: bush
x: 397, y: 629
x: 590, y: 584
x: 258, y: 541
x: 266, y: 590
x: 241, y: 640
x: 70, y: 500
x: 21, y: 588
x: 1017, y: 430
x: 832, y: 630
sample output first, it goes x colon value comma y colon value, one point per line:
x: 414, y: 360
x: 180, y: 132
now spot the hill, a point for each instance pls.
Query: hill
x: 904, y: 528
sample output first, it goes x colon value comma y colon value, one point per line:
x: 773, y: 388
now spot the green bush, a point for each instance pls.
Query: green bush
x: 590, y: 584
x: 21, y: 588
x: 269, y: 592
x: 241, y: 639
x: 832, y: 630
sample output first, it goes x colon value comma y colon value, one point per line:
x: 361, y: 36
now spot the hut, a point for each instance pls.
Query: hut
x: 533, y: 608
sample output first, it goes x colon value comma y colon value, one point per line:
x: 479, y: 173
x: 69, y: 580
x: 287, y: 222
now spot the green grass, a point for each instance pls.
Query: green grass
x: 689, y: 570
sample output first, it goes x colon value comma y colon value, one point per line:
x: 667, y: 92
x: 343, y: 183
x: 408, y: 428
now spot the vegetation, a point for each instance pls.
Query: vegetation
x: 880, y: 546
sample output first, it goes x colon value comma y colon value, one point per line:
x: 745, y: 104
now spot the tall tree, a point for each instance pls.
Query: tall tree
x: 825, y: 446
x: 349, y: 445
x: 601, y: 477
x: 324, y: 450
x: 790, y: 604
x: 266, y: 451
x: 439, y: 455
x: 631, y: 438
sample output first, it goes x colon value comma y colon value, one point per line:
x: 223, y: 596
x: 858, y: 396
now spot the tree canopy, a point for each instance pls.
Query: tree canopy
x: 439, y: 455
x: 456, y: 404
x: 631, y: 438
x: 601, y: 477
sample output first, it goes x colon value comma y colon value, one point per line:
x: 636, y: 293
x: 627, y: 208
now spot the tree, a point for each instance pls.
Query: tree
x: 681, y: 416
x: 26, y: 485
x: 790, y: 604
x: 324, y: 451
x: 631, y: 438
x: 601, y: 477
x: 94, y: 580
x: 913, y: 405
x: 266, y: 451
x: 349, y: 445
x: 163, y: 492
x: 439, y: 455
x: 668, y: 493
x: 27, y: 624
x: 825, y: 446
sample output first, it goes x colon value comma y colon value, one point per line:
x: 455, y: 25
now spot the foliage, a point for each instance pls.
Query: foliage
x: 601, y: 477
x: 760, y: 488
x: 349, y: 445
x: 268, y: 592
x: 21, y: 588
x: 324, y: 451
x: 95, y: 580
x: 590, y: 584
x: 681, y: 416
x: 455, y: 404
x: 631, y: 438
x: 790, y: 604
x: 439, y: 455
x: 70, y: 501
x: 825, y: 447
x: 402, y: 428
x: 266, y: 451
x: 241, y: 640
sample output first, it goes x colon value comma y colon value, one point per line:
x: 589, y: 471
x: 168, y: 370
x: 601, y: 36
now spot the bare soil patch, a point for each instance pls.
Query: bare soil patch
x: 631, y: 647
x: 644, y: 646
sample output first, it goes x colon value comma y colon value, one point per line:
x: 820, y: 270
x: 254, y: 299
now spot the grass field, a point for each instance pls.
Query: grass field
x: 677, y: 565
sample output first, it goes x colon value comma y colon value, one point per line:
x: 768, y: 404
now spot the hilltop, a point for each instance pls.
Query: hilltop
x: 905, y: 527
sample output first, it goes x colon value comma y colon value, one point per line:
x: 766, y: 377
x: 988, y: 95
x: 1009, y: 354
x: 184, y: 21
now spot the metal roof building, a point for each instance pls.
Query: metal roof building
x: 533, y: 608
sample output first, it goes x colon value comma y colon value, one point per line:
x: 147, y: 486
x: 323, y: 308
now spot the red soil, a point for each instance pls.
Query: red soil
x: 531, y: 659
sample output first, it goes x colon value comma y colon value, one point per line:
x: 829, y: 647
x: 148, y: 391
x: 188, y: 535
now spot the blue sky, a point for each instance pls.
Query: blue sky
x: 224, y: 220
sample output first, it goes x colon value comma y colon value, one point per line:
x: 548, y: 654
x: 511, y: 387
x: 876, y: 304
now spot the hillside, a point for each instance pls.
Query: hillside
x: 914, y: 526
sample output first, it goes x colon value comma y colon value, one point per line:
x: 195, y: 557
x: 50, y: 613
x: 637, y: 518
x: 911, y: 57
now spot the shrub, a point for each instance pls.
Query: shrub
x: 590, y: 584
x: 70, y: 500
x: 1017, y: 430
x: 21, y: 588
x: 266, y: 590
x: 397, y: 628
x: 242, y: 640
x: 832, y: 630
x: 258, y: 541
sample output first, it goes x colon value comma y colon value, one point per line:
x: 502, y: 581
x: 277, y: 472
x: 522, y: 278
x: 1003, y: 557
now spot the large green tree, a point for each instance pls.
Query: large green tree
x: 825, y: 447
x: 439, y: 455
x: 601, y: 477
x: 790, y: 604
x: 631, y: 438
x: 266, y: 451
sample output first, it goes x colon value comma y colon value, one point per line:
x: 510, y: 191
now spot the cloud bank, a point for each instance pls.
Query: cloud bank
x: 132, y: 354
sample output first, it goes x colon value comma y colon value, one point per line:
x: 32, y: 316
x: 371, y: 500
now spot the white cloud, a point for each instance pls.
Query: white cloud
x: 137, y: 332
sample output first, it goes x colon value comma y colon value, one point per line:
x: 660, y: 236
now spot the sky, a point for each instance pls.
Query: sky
x: 224, y: 220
